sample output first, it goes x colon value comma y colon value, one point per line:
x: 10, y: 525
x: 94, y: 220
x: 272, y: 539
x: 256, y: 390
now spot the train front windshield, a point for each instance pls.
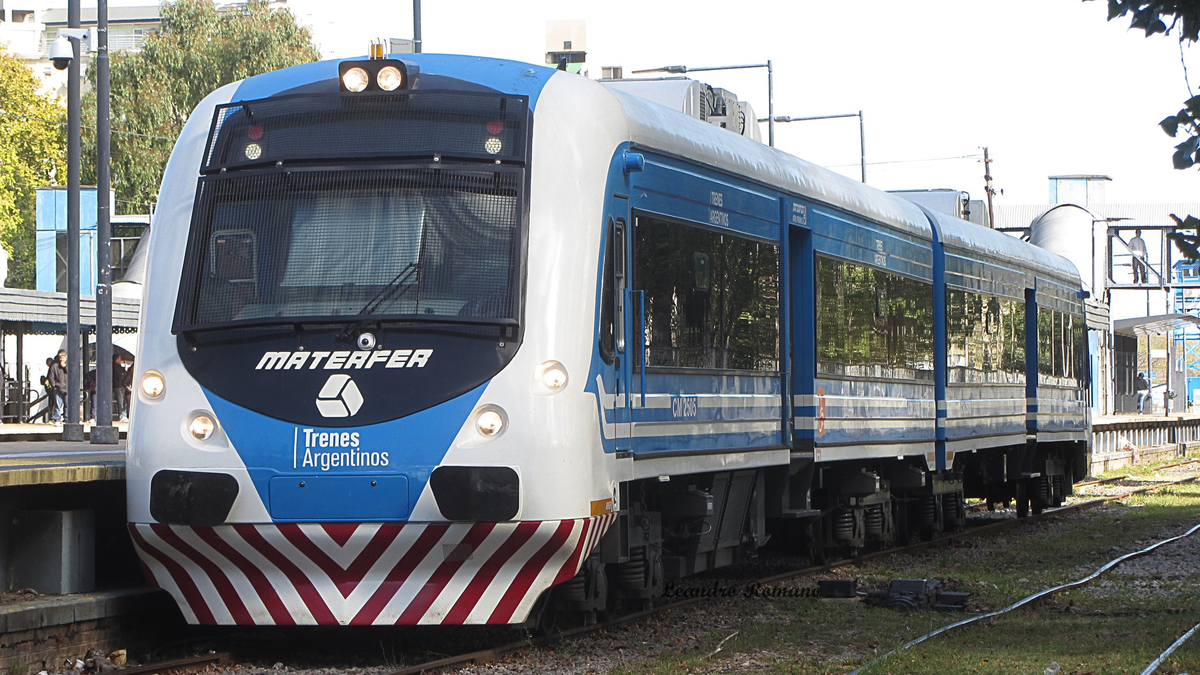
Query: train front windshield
x: 314, y: 225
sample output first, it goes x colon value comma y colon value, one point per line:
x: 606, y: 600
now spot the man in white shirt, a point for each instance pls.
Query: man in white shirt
x: 1137, y: 246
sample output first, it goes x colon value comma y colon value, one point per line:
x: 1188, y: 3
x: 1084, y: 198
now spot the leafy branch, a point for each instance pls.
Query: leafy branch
x: 1168, y: 17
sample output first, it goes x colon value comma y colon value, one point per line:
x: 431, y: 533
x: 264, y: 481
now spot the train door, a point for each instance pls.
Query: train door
x: 622, y: 363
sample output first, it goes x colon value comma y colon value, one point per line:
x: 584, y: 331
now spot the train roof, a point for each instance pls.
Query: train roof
x: 665, y: 130
x: 1001, y: 246
x: 669, y: 131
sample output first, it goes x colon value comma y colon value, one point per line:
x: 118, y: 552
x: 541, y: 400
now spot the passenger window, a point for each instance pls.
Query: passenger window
x: 711, y: 298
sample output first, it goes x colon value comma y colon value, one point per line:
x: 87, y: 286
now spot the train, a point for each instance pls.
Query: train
x: 443, y: 339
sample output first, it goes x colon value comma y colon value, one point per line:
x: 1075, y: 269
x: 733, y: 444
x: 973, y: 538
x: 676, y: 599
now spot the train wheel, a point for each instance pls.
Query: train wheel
x: 543, y: 619
x: 904, y: 533
x: 816, y: 542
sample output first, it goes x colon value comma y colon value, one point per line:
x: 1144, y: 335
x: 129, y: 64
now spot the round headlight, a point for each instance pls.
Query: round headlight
x: 355, y: 79
x: 489, y: 423
x: 493, y: 145
x: 202, y: 427
x: 554, y: 375
x: 153, y: 384
x: 389, y: 78
x: 253, y: 151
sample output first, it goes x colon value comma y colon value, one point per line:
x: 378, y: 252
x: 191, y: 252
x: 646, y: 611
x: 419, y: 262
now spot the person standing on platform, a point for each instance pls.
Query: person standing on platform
x: 1137, y: 246
x: 119, y: 377
x: 58, y: 387
x: 1141, y: 387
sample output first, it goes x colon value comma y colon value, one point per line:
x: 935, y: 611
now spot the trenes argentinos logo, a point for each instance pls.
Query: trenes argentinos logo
x: 326, y: 450
x: 339, y: 397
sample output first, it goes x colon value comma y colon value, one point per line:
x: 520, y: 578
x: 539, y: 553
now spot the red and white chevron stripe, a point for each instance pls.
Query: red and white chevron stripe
x: 359, y: 574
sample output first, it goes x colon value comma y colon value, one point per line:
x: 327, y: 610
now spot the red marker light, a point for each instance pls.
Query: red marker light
x: 495, y: 127
x: 255, y: 132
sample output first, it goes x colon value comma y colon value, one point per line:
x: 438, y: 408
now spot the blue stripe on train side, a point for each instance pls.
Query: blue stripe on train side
x: 506, y: 77
x: 707, y: 411
x: 415, y: 444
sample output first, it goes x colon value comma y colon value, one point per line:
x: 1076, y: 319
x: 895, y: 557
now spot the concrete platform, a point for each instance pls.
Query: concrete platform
x: 41, y: 633
x: 35, y: 454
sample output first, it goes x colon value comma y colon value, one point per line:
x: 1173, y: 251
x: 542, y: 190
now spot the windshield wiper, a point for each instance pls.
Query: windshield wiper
x: 394, y: 289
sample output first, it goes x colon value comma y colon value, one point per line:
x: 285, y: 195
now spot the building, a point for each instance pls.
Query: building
x: 29, y: 26
x: 1166, y: 302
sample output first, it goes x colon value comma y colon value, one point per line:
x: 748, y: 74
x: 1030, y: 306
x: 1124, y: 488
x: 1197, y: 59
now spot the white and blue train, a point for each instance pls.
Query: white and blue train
x: 455, y: 340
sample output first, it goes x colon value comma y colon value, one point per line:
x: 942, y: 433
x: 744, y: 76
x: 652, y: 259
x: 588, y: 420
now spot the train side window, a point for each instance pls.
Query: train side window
x: 872, y: 323
x: 618, y: 293
x: 711, y: 298
x: 607, y: 306
x: 985, y: 338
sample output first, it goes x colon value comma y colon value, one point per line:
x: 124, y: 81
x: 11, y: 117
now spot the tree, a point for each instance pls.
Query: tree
x: 1180, y: 17
x: 32, y: 155
x: 198, y: 49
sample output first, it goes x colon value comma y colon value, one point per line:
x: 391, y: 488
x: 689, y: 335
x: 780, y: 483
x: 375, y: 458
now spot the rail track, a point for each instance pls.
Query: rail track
x: 492, y: 654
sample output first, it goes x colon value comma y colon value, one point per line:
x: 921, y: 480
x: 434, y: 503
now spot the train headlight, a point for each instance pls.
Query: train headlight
x: 153, y: 385
x: 389, y: 78
x: 355, y: 79
x: 490, y: 422
x: 493, y: 145
x: 553, y: 375
x: 202, y: 427
x: 377, y: 74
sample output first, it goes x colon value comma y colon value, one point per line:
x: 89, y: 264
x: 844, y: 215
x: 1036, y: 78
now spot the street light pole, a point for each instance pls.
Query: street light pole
x: 862, y: 136
x: 680, y: 70
x: 72, y: 427
x: 103, y: 430
x: 417, y: 26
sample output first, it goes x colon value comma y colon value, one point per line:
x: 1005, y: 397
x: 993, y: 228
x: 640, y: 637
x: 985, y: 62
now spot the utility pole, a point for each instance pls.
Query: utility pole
x: 987, y: 182
x: 417, y: 26
x: 103, y: 430
x: 72, y: 426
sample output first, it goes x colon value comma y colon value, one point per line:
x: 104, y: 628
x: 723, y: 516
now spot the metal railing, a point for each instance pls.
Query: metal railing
x: 1112, y: 437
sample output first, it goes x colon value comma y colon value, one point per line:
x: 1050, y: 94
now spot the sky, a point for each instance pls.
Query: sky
x: 1049, y: 86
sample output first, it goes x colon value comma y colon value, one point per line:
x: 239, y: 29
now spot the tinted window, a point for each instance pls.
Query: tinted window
x: 354, y: 243
x: 872, y: 323
x: 1062, y: 347
x: 711, y: 298
x: 985, y: 338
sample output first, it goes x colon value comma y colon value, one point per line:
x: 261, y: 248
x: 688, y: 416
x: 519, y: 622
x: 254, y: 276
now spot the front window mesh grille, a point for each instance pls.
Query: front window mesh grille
x: 428, y: 243
x: 452, y: 124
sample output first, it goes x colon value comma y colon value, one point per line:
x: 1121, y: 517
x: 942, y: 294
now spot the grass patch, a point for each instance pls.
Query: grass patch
x: 1117, y: 625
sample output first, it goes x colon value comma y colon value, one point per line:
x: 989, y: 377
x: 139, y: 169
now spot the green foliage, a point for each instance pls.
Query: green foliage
x: 1167, y: 17
x: 1152, y: 17
x: 32, y: 155
x: 198, y: 49
x: 1187, y: 243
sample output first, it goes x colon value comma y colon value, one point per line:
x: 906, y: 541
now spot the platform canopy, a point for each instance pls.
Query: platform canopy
x: 45, y: 312
x: 1154, y: 325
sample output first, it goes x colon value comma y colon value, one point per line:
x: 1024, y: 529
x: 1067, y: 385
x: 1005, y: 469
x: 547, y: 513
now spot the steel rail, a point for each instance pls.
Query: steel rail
x: 1174, y: 645
x: 1036, y: 596
x: 493, y: 653
x: 191, y: 664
